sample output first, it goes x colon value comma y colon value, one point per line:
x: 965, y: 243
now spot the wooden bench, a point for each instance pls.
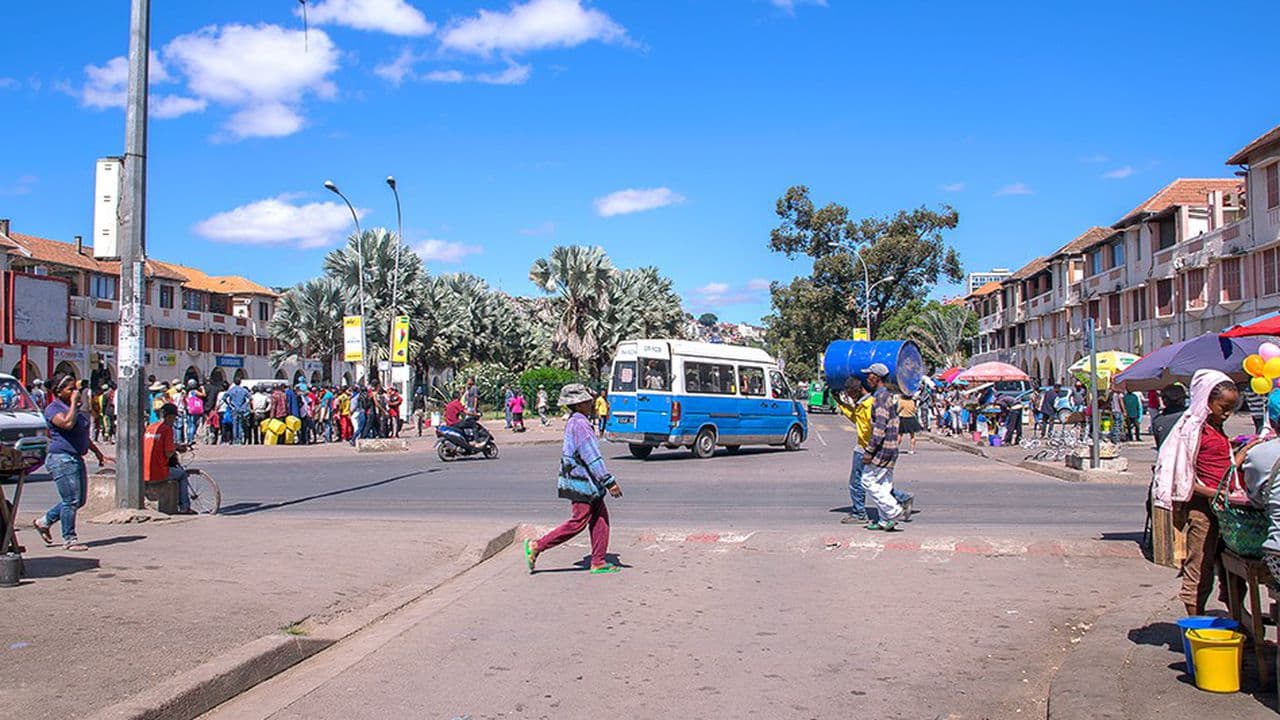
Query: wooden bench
x: 1255, y: 576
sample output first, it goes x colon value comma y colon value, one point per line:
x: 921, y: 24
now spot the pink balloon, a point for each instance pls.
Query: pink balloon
x: 1269, y: 350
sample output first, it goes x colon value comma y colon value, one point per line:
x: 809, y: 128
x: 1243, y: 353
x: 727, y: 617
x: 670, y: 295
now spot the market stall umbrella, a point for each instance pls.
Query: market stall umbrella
x: 992, y: 372
x: 1268, y: 324
x: 1110, y: 362
x: 1178, y: 362
x: 949, y: 376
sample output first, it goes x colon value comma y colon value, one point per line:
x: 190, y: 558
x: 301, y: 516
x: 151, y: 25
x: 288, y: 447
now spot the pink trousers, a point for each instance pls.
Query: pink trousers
x: 594, y: 515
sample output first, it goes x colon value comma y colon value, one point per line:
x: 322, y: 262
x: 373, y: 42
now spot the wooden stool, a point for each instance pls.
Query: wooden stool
x: 1255, y: 575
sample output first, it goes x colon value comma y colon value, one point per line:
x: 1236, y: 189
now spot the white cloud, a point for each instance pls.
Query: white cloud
x: 1094, y: 159
x: 722, y: 294
x: 953, y: 187
x: 515, y: 74
x: 532, y: 25
x: 23, y: 185
x: 261, y: 71
x: 1119, y: 173
x: 399, y: 69
x: 172, y: 106
x: 546, y: 228
x: 758, y: 284
x: 432, y: 250
x: 1015, y: 189
x: 279, y: 221
x: 445, y: 76
x: 790, y: 5
x: 395, y: 17
x: 631, y: 200
x: 8, y: 83
x: 106, y: 86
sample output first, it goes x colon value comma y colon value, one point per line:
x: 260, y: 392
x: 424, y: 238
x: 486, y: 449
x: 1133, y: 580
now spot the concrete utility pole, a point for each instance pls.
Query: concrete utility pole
x: 395, y: 284
x: 1095, y: 414
x: 133, y: 254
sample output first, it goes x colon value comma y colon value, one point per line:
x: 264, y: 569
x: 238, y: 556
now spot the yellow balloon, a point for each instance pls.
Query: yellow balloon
x: 1260, y: 385
x: 1271, y: 368
x: 1254, y: 365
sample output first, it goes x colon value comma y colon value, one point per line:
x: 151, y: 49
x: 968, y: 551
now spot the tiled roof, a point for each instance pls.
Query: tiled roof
x: 1242, y: 157
x: 60, y: 253
x: 1030, y: 269
x: 1183, y: 191
x: 1084, y: 241
x: 220, y: 284
x: 987, y: 289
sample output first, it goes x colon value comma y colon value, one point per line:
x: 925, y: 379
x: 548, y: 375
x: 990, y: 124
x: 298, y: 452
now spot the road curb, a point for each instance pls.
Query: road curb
x: 1063, y: 473
x: 212, y: 683
x: 1087, y: 685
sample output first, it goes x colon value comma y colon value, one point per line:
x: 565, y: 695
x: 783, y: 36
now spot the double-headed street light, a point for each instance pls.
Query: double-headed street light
x: 866, y: 283
x: 333, y: 188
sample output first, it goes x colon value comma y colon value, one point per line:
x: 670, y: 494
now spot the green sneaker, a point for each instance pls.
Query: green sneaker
x: 605, y: 570
x: 529, y: 559
x: 888, y: 525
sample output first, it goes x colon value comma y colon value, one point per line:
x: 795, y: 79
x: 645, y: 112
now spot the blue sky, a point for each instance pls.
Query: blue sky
x: 663, y: 131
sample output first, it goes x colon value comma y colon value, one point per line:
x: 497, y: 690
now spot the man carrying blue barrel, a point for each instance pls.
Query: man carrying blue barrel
x: 882, y: 451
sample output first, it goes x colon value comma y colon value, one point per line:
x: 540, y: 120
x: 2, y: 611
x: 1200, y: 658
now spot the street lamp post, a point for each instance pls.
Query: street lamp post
x: 866, y: 283
x: 395, y: 281
x: 331, y: 187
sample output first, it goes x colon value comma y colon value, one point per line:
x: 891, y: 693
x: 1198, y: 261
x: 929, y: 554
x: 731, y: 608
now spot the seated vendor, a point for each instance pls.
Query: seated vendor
x: 1260, y: 464
x: 161, y: 453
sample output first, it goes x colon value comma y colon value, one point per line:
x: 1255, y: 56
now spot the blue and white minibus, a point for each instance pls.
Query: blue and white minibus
x: 675, y: 393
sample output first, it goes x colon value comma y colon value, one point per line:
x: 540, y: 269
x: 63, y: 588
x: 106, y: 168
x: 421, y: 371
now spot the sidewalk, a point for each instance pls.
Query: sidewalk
x: 1131, y: 667
x: 147, y: 602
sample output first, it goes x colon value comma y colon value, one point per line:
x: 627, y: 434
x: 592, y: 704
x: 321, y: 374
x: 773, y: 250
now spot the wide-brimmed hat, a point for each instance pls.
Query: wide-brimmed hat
x: 575, y: 393
x: 157, y: 386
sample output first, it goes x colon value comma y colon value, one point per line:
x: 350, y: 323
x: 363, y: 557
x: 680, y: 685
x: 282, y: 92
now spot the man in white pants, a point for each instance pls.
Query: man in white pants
x: 882, y: 452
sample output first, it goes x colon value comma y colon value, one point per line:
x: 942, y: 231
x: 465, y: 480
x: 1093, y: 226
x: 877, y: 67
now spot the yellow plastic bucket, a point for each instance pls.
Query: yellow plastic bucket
x: 1217, y: 655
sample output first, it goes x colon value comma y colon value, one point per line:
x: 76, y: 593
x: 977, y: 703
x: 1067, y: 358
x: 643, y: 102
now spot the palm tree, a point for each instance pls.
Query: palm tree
x: 308, y: 320
x: 941, y: 333
x: 580, y: 278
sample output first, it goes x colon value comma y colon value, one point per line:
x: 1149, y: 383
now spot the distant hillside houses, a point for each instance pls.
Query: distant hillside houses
x: 725, y: 332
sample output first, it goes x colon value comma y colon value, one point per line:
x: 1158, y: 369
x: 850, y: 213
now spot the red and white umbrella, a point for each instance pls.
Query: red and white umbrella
x: 992, y: 372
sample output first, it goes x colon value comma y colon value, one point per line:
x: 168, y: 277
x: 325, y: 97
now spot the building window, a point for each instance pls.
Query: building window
x: 1117, y: 254
x: 1137, y: 243
x: 1270, y: 271
x: 1272, y: 173
x: 264, y: 311
x: 1232, y: 274
x: 166, y: 297
x: 1113, y: 310
x: 192, y: 300
x: 1095, y: 262
x: 220, y: 304
x: 240, y: 345
x: 1139, y: 309
x: 1167, y: 231
x: 194, y: 342
x: 102, y: 287
x: 1095, y: 310
x: 1164, y: 298
x: 165, y: 339
x: 263, y: 346
x: 1196, y: 299
x: 104, y: 333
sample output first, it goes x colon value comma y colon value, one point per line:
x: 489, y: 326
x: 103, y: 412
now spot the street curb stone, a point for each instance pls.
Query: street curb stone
x: 197, y: 691
x: 1087, y: 684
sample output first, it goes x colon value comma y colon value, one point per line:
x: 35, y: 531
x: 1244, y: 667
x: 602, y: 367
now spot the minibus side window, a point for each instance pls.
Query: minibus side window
x: 656, y: 375
x: 781, y: 391
x: 710, y: 379
x: 752, y: 381
x: 624, y: 376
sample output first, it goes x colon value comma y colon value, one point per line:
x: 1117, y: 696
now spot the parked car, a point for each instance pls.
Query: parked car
x: 24, y: 434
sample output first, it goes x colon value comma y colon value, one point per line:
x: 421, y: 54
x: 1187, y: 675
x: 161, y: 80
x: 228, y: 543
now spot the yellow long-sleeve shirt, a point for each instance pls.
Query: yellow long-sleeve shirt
x: 860, y: 416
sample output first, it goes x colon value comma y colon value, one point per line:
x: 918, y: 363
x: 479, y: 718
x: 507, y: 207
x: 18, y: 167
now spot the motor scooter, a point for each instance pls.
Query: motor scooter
x: 453, y: 443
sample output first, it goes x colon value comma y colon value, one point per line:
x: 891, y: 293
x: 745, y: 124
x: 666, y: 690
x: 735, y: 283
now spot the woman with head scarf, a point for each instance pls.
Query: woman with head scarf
x: 1194, y: 460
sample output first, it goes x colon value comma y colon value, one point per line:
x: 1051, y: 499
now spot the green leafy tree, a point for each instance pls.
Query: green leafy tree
x: 308, y: 321
x: 579, y: 279
x: 908, y: 247
x: 550, y: 378
x: 944, y: 334
x: 708, y: 319
x: 896, y: 326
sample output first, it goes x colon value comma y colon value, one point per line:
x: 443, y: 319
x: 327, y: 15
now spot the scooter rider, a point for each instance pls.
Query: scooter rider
x: 457, y: 417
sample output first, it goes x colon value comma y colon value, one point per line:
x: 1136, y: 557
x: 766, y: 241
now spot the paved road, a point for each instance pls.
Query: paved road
x: 764, y: 489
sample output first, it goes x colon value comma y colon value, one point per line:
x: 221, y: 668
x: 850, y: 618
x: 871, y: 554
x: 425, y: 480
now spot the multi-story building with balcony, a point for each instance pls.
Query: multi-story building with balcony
x: 1197, y: 256
x: 213, y: 329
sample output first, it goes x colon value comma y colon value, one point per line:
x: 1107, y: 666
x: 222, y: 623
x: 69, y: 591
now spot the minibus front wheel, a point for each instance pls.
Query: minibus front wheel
x: 640, y: 452
x: 795, y: 436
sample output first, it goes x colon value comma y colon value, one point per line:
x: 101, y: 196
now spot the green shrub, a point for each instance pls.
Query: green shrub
x: 490, y: 378
x: 549, y: 377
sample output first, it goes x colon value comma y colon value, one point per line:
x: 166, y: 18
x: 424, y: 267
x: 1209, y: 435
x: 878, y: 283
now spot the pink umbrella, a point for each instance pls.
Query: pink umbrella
x: 992, y: 372
x: 950, y: 375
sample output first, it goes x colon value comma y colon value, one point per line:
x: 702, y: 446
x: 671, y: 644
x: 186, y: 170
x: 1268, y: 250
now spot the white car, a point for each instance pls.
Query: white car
x: 24, y: 434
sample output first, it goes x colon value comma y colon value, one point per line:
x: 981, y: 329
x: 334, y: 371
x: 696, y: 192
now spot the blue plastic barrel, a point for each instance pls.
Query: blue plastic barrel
x: 1200, y: 622
x: 849, y: 358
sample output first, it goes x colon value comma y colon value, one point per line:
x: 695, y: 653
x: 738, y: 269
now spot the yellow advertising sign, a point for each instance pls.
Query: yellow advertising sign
x: 353, y: 338
x: 861, y: 334
x: 400, y: 340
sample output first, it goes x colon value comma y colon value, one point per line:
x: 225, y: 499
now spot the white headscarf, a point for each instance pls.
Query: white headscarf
x: 1176, y: 466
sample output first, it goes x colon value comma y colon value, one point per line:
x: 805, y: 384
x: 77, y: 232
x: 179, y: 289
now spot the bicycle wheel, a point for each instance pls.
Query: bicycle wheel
x: 206, y: 498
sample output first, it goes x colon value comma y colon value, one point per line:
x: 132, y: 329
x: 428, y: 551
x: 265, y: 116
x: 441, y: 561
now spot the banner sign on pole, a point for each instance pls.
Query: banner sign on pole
x: 400, y: 340
x: 353, y: 338
x: 861, y: 333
